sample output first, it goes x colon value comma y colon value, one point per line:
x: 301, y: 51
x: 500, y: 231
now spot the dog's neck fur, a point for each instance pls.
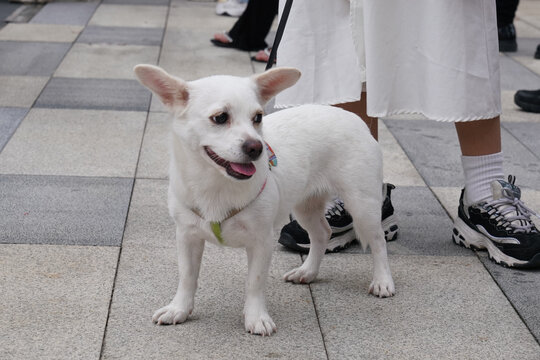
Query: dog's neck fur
x: 202, y: 187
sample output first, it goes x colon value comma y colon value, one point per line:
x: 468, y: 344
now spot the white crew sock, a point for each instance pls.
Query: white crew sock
x: 479, y: 172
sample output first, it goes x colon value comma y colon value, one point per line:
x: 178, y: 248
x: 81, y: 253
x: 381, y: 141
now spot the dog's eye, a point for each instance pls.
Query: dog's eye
x: 221, y: 118
x: 257, y: 119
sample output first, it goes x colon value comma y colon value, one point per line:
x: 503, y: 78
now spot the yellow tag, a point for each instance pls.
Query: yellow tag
x: 216, y: 229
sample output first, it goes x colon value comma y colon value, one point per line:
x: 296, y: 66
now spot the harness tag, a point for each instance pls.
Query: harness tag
x: 216, y: 229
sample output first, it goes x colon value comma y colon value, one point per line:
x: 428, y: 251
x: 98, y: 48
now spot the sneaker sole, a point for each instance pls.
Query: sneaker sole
x: 390, y: 228
x: 465, y: 236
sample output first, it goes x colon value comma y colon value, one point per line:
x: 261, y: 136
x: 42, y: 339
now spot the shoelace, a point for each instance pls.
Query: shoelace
x: 336, y: 210
x: 512, y: 214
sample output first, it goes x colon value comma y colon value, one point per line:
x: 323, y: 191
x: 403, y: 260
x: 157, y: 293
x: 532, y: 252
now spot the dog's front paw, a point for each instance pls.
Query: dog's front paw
x: 170, y: 315
x: 382, y: 287
x: 300, y: 275
x: 260, y: 324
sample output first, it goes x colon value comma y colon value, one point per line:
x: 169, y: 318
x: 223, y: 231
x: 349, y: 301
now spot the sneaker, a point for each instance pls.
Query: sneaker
x: 502, y: 226
x: 294, y: 237
x: 230, y: 8
x: 507, y: 38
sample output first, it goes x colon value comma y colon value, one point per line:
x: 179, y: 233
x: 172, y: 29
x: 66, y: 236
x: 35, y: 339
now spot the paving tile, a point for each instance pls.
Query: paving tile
x: 62, y: 210
x: 66, y: 13
x: 55, y: 300
x: 40, y: 32
x: 154, y: 159
x: 398, y: 169
x: 525, y: 30
x: 183, y: 49
x: 105, y: 61
x: 527, y: 134
x: 515, y: 76
x: 526, y: 46
x: 424, y: 226
x: 10, y: 118
x: 108, y: 94
x: 129, y: 16
x: 445, y: 308
x: 441, y: 165
x: 521, y: 289
x: 20, y: 91
x: 121, y: 35
x: 147, y: 280
x: 190, y: 15
x: 137, y: 2
x: 75, y: 142
x: 30, y: 58
x: 530, y: 63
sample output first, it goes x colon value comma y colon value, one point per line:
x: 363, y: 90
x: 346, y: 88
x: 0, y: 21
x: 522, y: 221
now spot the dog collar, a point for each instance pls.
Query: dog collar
x: 272, y: 159
x: 215, y: 226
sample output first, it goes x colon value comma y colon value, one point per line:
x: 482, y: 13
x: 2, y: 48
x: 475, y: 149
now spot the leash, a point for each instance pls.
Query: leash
x: 279, y: 34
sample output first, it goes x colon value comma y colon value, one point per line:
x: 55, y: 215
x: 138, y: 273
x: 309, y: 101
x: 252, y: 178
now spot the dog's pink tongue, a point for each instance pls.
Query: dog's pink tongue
x: 244, y: 169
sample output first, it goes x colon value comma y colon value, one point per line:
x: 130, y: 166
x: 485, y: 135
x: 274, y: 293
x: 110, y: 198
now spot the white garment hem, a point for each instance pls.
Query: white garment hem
x: 437, y: 117
x: 332, y: 102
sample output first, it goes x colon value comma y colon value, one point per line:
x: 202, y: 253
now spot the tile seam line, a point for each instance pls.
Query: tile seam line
x: 134, y: 178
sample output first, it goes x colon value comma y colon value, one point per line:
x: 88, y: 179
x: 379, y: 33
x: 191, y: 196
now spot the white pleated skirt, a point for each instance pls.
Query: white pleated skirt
x: 438, y: 58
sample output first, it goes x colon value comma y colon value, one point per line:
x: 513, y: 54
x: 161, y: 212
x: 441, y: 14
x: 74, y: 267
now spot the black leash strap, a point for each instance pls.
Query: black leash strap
x: 279, y: 34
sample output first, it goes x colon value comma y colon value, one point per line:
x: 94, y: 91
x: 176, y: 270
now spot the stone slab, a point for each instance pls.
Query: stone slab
x: 526, y: 45
x: 441, y: 165
x: 147, y: 280
x: 525, y: 30
x: 55, y: 300
x: 444, y: 308
x: 106, y: 94
x: 137, y: 2
x: 76, y: 143
x: 66, y: 13
x: 21, y: 91
x: 121, y: 35
x: 425, y: 228
x: 527, y: 133
x: 40, y: 32
x: 521, y: 289
x: 63, y: 210
x: 130, y: 16
x: 154, y: 158
x: 190, y: 15
x: 10, y: 118
x: 31, y: 58
x: 103, y: 61
x: 515, y: 76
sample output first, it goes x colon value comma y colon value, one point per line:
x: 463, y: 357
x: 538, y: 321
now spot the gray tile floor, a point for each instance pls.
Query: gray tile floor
x: 87, y: 246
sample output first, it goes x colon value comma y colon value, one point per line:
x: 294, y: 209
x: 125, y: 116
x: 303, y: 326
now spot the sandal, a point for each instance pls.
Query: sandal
x: 223, y: 40
x: 262, y: 55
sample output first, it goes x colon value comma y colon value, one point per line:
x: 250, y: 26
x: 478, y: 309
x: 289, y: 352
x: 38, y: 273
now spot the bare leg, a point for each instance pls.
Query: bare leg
x: 481, y: 137
x: 360, y: 109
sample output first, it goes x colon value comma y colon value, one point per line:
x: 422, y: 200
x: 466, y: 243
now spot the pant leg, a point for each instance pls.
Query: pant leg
x: 254, y: 24
x: 506, y: 10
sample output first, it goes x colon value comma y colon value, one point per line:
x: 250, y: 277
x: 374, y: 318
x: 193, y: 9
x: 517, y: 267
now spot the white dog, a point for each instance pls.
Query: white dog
x: 235, y: 178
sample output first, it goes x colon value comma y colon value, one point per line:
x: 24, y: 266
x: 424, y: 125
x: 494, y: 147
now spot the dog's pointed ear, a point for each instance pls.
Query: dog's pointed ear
x: 171, y: 90
x: 273, y: 81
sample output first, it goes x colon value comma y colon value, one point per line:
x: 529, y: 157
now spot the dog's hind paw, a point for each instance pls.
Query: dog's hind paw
x: 300, y: 275
x: 260, y: 325
x: 170, y: 315
x: 382, y: 289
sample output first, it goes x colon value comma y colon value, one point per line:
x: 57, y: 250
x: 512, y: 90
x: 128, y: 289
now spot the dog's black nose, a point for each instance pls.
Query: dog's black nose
x: 252, y: 148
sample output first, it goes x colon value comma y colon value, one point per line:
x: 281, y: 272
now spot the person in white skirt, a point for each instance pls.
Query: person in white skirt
x: 429, y: 57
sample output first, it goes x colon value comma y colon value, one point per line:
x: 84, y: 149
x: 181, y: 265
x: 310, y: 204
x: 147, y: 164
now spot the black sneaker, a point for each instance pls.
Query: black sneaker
x: 294, y: 237
x: 528, y: 100
x: 502, y: 226
x: 507, y: 38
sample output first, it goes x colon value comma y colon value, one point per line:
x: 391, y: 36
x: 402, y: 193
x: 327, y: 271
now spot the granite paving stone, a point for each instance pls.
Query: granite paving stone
x: 54, y: 300
x: 40, y: 32
x: 189, y: 15
x: 441, y: 165
x: 147, y: 280
x: 10, y: 118
x: 154, y: 158
x: 130, y: 16
x: 121, y: 35
x: 514, y: 76
x: 100, y: 61
x: 527, y: 133
x: 66, y: 13
x: 444, y: 308
x: 31, y: 58
x: 77, y: 143
x: 21, y: 91
x: 63, y: 210
x: 106, y: 94
x: 424, y: 225
x: 525, y: 30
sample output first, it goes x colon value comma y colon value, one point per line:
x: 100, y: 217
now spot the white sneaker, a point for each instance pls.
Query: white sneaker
x: 230, y: 7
